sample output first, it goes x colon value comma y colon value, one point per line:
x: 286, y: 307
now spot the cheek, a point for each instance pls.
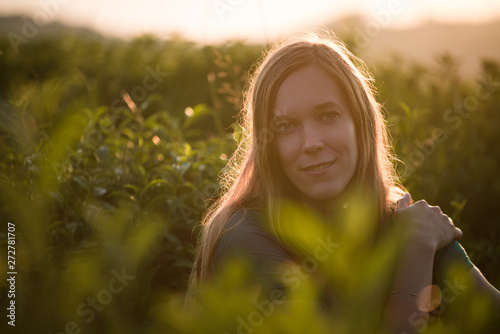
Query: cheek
x: 344, y: 140
x: 287, y: 149
x: 353, y: 145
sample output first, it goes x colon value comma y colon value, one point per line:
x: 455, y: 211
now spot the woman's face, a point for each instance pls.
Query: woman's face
x: 315, y: 134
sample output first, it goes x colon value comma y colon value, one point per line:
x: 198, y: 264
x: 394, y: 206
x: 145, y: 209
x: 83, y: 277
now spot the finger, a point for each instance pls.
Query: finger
x: 400, y: 202
x: 458, y: 234
x: 404, y: 201
x: 456, y: 231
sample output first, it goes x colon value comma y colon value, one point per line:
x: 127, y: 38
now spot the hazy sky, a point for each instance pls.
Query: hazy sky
x: 212, y: 20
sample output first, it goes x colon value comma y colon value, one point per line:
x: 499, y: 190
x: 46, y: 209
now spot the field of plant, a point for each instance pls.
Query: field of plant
x: 110, y: 153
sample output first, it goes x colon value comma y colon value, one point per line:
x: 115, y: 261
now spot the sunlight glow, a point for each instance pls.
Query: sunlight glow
x: 257, y: 20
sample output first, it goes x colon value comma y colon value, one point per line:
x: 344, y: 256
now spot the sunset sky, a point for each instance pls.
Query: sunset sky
x: 255, y: 20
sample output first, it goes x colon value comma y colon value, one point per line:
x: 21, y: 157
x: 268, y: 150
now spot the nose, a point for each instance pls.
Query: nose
x: 313, y: 142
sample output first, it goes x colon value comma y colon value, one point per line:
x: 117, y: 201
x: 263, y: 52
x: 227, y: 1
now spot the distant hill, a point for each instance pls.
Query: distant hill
x: 468, y: 44
x: 16, y: 24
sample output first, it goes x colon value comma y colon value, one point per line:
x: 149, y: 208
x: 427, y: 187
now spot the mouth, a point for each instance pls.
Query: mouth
x: 318, y: 167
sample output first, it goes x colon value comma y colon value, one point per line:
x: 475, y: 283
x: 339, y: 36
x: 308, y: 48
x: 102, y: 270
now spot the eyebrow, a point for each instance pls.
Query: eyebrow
x: 318, y: 107
x: 325, y: 105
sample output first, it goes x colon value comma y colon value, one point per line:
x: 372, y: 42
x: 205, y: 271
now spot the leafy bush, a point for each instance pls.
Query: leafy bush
x: 111, y: 151
x: 108, y: 189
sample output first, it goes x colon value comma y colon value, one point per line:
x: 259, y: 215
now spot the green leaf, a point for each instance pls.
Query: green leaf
x: 199, y: 111
x: 131, y: 187
x: 153, y: 184
x: 83, y: 182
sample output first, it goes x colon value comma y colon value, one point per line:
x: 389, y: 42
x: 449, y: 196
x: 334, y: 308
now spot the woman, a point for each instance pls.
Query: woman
x: 314, y: 134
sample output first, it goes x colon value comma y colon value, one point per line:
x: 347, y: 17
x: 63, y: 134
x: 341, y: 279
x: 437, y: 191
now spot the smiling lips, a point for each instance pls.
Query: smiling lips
x: 318, y: 167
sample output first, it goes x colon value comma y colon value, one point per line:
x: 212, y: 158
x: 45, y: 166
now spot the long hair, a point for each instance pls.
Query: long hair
x: 254, y: 177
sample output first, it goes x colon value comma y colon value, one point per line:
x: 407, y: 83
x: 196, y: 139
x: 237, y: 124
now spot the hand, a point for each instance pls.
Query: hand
x: 425, y: 224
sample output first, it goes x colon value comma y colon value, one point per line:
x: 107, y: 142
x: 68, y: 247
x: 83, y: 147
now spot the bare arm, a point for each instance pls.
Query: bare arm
x: 405, y: 311
x: 425, y: 230
x: 482, y: 285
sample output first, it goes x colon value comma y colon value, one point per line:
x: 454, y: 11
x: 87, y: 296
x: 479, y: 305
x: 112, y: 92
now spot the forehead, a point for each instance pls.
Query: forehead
x: 309, y: 87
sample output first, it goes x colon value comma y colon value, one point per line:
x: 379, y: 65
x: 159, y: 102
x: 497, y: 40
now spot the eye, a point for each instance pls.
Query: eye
x: 285, y: 126
x: 329, y: 116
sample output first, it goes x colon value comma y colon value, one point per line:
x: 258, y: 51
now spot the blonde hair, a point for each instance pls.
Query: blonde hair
x: 253, y: 178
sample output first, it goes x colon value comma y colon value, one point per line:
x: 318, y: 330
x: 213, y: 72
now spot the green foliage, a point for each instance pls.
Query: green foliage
x: 446, y: 132
x: 357, y: 270
x: 111, y: 152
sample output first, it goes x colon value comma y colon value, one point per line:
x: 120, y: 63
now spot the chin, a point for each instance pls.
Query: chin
x: 326, y: 194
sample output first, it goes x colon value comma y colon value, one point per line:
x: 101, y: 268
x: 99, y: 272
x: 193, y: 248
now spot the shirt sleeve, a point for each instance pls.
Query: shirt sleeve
x: 452, y: 256
x: 245, y: 237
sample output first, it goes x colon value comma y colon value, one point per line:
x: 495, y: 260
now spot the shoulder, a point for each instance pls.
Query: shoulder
x: 245, y: 220
x: 246, y: 234
x: 246, y: 238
